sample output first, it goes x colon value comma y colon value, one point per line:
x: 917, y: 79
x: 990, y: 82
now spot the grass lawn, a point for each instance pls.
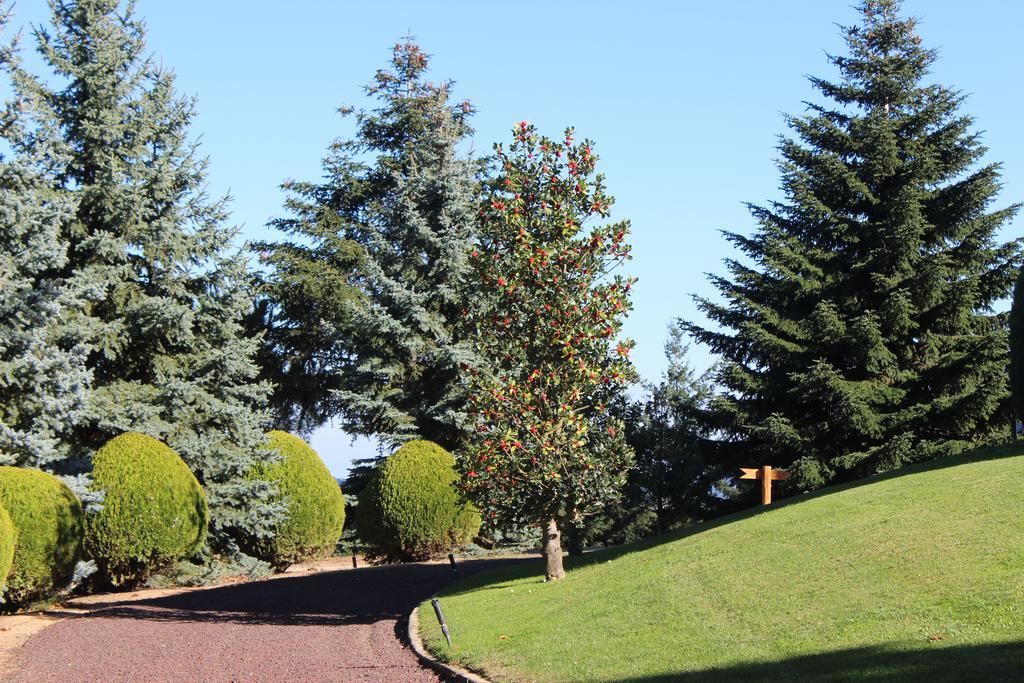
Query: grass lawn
x: 918, y: 575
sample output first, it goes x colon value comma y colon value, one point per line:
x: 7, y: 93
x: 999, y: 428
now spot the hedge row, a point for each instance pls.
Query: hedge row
x: 153, y: 512
x: 7, y: 539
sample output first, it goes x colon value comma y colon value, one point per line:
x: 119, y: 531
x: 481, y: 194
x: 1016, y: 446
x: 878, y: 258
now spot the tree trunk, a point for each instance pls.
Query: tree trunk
x: 553, y: 552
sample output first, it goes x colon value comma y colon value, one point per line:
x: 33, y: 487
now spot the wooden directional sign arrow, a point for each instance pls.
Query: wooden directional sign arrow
x: 766, y: 474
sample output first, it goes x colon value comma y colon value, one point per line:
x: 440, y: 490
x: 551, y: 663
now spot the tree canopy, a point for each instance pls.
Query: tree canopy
x: 857, y: 331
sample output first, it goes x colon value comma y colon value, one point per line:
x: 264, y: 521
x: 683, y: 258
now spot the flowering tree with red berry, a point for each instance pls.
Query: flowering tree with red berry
x: 545, y: 449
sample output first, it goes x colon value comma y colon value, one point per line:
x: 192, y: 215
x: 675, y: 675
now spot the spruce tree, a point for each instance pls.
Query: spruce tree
x: 43, y: 379
x: 168, y: 353
x: 857, y: 332
x: 673, y: 480
x: 366, y: 300
x: 1016, y: 324
x: 674, y: 475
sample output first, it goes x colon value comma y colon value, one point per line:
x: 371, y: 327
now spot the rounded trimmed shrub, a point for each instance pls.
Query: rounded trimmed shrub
x: 48, y: 522
x: 7, y: 536
x: 411, y: 508
x: 316, y: 507
x: 154, y: 510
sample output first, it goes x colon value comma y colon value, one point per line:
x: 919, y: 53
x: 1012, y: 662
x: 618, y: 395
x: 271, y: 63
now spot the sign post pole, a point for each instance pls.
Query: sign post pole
x: 767, y: 475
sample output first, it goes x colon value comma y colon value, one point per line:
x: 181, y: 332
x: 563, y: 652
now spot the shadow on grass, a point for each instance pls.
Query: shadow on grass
x: 351, y: 596
x: 991, y: 662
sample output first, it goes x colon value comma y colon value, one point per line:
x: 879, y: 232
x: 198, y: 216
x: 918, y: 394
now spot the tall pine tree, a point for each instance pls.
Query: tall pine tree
x: 366, y: 300
x: 1016, y: 331
x: 43, y: 378
x: 857, y: 333
x: 169, y: 357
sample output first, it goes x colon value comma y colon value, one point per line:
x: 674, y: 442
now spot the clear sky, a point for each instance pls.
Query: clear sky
x: 683, y: 99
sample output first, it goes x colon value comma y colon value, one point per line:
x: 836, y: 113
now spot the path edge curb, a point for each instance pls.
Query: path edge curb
x: 449, y: 671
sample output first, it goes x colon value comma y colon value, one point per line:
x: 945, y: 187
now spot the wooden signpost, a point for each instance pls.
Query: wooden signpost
x: 766, y: 474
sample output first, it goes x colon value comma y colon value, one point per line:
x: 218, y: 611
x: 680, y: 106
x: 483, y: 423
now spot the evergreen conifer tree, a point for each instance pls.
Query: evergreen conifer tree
x: 1016, y: 324
x: 43, y: 379
x: 673, y: 480
x: 366, y: 302
x: 169, y: 357
x: 857, y: 333
x: 672, y: 475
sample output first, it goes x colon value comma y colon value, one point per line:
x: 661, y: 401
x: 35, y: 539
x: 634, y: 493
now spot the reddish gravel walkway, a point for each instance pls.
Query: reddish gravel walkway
x: 328, y: 626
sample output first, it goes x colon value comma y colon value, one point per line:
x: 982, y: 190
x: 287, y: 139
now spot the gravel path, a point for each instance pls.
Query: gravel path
x: 326, y: 626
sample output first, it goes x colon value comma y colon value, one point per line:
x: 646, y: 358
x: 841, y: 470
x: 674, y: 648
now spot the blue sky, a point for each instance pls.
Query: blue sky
x: 683, y: 99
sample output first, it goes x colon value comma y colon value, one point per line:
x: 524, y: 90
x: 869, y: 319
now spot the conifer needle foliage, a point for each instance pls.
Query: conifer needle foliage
x: 43, y: 377
x: 857, y: 329
x: 167, y: 352
x: 363, y: 310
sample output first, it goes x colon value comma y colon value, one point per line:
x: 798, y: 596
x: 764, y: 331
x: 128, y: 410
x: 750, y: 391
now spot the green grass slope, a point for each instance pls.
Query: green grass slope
x: 915, y: 576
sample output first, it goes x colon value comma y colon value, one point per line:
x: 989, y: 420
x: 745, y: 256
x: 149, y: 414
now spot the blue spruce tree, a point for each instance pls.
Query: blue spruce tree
x: 169, y: 356
x: 365, y: 305
x: 43, y: 378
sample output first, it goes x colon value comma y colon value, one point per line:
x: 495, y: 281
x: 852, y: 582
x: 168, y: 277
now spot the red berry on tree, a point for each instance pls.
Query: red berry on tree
x: 559, y: 353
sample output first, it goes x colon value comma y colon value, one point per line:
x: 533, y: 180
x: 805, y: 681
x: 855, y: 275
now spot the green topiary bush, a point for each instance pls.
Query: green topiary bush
x: 47, y: 518
x: 7, y: 538
x: 154, y: 510
x: 316, y: 508
x: 411, y: 509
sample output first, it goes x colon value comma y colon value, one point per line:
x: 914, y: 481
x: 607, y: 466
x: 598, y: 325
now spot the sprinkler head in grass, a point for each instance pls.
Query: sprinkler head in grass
x: 440, y: 620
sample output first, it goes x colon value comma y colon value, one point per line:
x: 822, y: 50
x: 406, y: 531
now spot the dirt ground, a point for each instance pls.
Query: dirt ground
x: 16, y: 629
x: 317, y: 621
